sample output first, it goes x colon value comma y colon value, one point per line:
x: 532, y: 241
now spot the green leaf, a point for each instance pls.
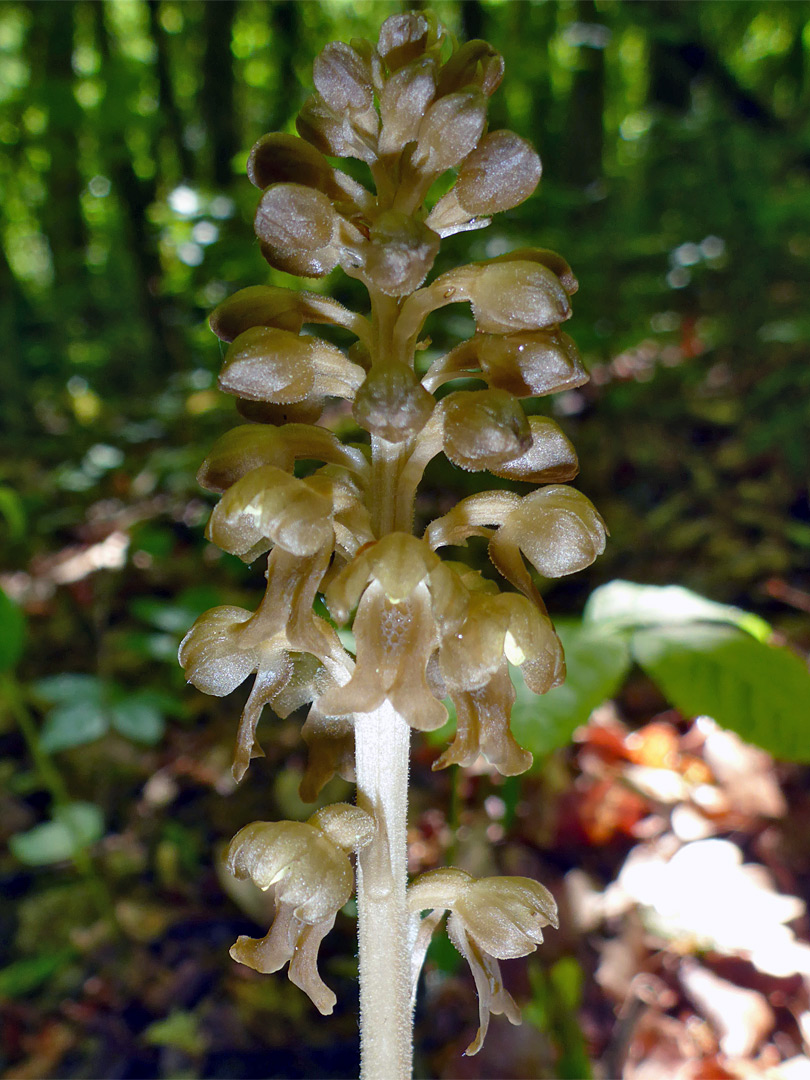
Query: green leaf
x: 74, y: 724
x: 624, y: 605
x: 12, y: 632
x: 597, y: 662
x: 760, y: 691
x: 553, y: 1008
x: 12, y: 509
x: 74, y: 827
x: 140, y: 717
x: 28, y: 974
x: 177, y: 616
x: 69, y: 688
x: 443, y: 954
x: 154, y: 646
x: 180, y: 1030
x: 81, y: 710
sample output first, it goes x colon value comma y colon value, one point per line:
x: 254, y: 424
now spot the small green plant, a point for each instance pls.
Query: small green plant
x: 413, y: 110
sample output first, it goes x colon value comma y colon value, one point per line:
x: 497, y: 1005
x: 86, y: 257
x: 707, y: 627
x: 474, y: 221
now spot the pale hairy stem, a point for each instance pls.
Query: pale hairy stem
x: 382, y: 744
x: 382, y: 747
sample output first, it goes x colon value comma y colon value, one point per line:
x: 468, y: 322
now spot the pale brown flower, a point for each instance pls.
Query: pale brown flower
x: 491, y: 918
x: 308, y: 864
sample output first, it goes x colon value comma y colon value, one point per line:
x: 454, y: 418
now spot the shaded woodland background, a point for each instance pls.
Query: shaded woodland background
x: 675, y: 139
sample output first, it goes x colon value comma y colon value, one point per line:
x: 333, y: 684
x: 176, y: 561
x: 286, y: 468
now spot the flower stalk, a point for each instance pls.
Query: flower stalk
x: 426, y: 629
x: 382, y: 742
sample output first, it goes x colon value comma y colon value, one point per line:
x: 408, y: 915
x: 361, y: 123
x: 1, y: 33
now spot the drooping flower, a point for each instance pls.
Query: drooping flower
x: 308, y: 864
x: 491, y: 919
x: 557, y: 528
x: 294, y: 653
x: 227, y: 644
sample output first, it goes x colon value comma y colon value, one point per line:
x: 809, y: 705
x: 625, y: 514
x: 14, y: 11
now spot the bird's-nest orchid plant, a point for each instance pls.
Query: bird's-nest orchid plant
x: 413, y: 108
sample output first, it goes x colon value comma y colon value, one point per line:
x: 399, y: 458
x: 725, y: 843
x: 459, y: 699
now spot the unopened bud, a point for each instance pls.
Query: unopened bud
x: 484, y: 428
x: 500, y: 173
x: 291, y: 218
x: 392, y: 404
x: 476, y: 63
x: 333, y: 133
x: 342, y: 78
x: 280, y: 158
x: 516, y: 295
x: 403, y: 38
x: 400, y: 253
x: 403, y: 101
x: 266, y: 364
x: 531, y: 363
x: 450, y: 131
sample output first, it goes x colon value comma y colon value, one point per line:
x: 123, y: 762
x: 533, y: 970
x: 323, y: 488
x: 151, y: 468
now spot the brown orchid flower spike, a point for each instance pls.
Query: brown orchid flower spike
x: 413, y: 109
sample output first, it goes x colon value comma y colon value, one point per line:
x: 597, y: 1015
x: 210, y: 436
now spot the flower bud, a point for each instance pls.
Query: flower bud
x: 450, y: 130
x: 279, y: 158
x: 249, y: 446
x: 507, y: 296
x: 296, y: 226
x: 342, y: 78
x: 404, y: 38
x: 293, y: 218
x: 515, y: 295
x: 392, y: 404
x: 475, y: 63
x: 257, y: 305
x: 266, y: 364
x: 399, y: 255
x: 532, y: 363
x: 404, y: 100
x: 484, y: 428
x: 550, y: 459
x: 335, y: 134
x: 285, y: 309
x: 550, y: 259
x: 306, y: 411
x: 501, y: 172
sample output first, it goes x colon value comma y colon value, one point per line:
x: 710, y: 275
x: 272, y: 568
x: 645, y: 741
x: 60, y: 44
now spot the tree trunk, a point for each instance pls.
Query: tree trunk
x: 217, y: 92
x: 286, y: 26
x: 169, y: 110
x: 51, y: 48
x: 135, y: 196
x: 582, y: 157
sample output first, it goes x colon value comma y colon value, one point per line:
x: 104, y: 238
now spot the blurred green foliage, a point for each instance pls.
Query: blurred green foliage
x: 674, y: 138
